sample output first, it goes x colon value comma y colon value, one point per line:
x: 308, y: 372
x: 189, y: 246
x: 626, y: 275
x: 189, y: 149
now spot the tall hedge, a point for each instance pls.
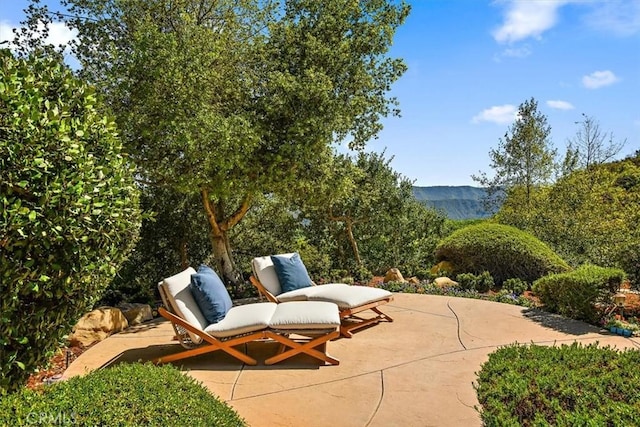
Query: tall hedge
x: 503, y: 251
x: 68, y: 208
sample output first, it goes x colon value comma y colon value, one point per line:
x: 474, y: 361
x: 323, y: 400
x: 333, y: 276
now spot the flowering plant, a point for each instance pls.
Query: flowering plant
x: 618, y: 321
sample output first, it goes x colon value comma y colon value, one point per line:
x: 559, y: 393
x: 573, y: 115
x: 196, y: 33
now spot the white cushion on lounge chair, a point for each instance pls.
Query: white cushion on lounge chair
x: 302, y: 294
x: 177, y: 286
x: 265, y: 272
x: 243, y: 319
x: 349, y: 299
x: 305, y: 315
x: 346, y: 296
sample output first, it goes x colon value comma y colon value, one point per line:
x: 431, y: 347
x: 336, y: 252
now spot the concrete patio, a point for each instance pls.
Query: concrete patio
x: 417, y: 371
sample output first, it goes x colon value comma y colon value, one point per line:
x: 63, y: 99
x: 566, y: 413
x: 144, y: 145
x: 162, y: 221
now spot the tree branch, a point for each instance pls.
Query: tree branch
x: 238, y: 214
x: 210, y: 211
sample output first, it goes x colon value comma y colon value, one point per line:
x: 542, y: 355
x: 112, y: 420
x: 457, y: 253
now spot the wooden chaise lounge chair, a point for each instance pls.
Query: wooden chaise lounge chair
x: 316, y: 323
x: 349, y: 299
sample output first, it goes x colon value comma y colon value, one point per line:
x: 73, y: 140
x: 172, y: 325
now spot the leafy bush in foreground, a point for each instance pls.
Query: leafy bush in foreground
x: 505, y: 252
x: 124, y: 395
x: 575, y: 294
x: 569, y: 385
x: 68, y: 208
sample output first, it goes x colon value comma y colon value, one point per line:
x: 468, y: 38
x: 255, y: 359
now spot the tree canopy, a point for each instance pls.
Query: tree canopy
x: 588, y: 216
x: 524, y: 159
x: 232, y: 99
x: 591, y: 146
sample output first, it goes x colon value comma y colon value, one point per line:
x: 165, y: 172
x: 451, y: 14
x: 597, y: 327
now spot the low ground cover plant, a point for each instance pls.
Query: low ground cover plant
x: 530, y: 385
x: 124, y: 395
x: 426, y: 287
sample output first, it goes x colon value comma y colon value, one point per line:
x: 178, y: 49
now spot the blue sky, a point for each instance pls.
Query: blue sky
x: 472, y: 62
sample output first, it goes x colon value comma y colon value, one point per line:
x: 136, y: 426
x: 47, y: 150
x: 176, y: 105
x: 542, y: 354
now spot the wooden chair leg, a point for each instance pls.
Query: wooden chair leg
x: 347, y: 328
x: 210, y: 343
x: 207, y: 349
x: 382, y: 315
x: 309, y: 347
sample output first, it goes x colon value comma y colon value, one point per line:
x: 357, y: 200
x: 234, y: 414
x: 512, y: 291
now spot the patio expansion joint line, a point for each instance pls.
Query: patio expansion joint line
x: 458, y: 324
x: 421, y: 311
x: 399, y: 307
x: 237, y: 378
x: 350, y: 377
x: 375, y: 411
x: 409, y: 362
x: 532, y: 342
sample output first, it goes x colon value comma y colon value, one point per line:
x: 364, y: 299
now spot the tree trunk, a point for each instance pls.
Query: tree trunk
x: 218, y: 235
x: 224, y: 261
x: 184, y: 258
x: 348, y: 224
x: 352, y: 240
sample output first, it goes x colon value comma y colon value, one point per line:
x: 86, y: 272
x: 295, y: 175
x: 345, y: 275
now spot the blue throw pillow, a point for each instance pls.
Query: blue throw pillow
x: 210, y: 294
x: 291, y: 272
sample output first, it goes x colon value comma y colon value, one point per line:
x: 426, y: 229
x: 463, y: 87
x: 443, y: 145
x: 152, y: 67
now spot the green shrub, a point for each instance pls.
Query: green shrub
x: 575, y: 294
x: 515, y: 285
x: 68, y: 208
x: 630, y: 262
x: 569, y: 385
x: 467, y: 281
x: 171, y: 237
x: 505, y: 252
x: 472, y: 282
x: 484, y: 282
x: 124, y: 395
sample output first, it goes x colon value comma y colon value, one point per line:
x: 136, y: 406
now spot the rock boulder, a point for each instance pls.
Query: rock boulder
x: 445, y: 282
x: 97, y: 325
x: 136, y: 313
x: 393, y: 275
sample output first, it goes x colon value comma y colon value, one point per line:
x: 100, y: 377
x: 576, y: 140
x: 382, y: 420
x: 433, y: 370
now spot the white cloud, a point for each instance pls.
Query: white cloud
x: 513, y: 52
x: 59, y: 33
x: 527, y: 18
x: 500, y: 114
x: 620, y: 17
x: 560, y: 105
x: 599, y: 79
x: 519, y: 52
x: 6, y: 31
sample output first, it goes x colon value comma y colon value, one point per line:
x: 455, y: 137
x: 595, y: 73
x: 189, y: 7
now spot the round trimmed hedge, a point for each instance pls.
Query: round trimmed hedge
x: 124, y: 395
x: 505, y: 252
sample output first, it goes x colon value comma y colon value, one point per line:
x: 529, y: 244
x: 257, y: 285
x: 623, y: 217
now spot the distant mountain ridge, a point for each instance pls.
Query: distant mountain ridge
x: 456, y: 202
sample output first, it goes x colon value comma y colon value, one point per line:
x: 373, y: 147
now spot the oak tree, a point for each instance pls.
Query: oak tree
x: 232, y: 99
